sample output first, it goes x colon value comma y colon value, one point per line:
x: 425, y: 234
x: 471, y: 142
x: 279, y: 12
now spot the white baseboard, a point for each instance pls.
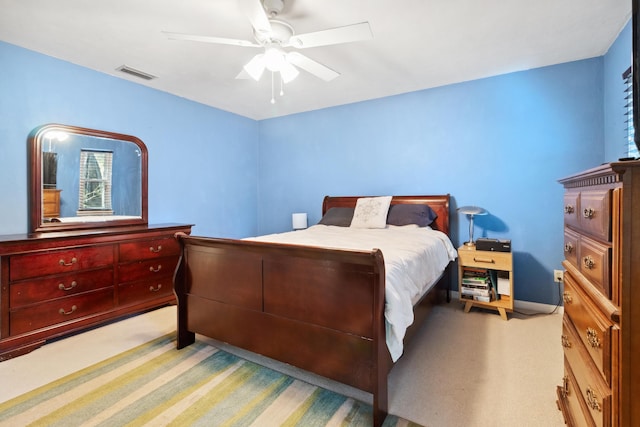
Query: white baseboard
x: 534, y: 307
x: 537, y: 307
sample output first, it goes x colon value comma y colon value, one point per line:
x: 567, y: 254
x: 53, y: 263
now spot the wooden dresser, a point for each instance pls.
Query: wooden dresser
x: 52, y: 284
x: 601, y: 325
x: 50, y: 202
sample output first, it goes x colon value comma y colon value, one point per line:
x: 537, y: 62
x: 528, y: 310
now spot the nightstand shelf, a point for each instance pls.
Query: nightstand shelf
x: 470, y: 259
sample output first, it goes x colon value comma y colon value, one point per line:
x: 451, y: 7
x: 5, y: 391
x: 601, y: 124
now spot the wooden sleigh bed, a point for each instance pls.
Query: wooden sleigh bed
x: 315, y: 308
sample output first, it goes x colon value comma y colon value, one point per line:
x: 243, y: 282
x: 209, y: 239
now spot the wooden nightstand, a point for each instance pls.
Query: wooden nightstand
x: 472, y: 263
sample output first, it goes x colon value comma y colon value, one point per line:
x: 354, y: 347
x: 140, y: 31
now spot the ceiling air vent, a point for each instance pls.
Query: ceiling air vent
x: 136, y: 73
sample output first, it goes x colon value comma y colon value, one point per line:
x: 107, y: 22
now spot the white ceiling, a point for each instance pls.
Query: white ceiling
x: 417, y: 44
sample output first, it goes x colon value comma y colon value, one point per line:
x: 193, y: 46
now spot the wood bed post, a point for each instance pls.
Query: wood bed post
x: 184, y: 337
x: 381, y: 368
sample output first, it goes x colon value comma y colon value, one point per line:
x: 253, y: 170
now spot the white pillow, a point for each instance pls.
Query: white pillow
x: 371, y: 212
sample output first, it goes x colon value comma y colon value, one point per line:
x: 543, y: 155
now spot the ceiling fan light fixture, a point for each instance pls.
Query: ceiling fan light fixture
x: 256, y: 67
x: 57, y: 135
x: 288, y: 72
x: 274, y: 58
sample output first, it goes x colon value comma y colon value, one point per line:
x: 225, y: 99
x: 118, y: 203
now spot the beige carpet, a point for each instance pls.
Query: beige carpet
x: 470, y: 369
x: 475, y: 369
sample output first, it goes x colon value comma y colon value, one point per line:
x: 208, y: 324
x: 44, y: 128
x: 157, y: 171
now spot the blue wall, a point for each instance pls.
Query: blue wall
x: 202, y: 161
x: 501, y: 143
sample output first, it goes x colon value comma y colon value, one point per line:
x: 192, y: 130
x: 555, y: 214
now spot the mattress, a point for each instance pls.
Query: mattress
x: 414, y: 259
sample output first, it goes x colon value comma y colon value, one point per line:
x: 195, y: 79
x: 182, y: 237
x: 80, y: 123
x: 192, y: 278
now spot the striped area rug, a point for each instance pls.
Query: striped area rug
x: 156, y: 385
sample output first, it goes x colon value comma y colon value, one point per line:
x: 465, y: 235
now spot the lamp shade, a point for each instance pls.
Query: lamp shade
x: 255, y: 67
x: 299, y: 221
x: 288, y: 72
x: 472, y: 210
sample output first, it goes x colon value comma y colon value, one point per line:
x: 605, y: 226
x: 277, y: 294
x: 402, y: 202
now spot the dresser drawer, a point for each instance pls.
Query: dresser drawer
x: 137, y: 292
x: 59, y: 262
x: 575, y: 411
x: 486, y: 259
x: 595, y: 394
x: 595, y: 213
x: 34, y: 291
x: 149, y: 249
x: 571, y: 241
x: 58, y: 311
x: 50, y: 202
x: 594, y: 330
x: 595, y: 263
x: 571, y: 208
x: 574, y: 348
x: 149, y: 269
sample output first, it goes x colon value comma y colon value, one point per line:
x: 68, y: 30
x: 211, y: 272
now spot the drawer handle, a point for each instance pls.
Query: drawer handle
x: 66, y: 313
x: 152, y: 289
x: 63, y: 262
x: 487, y: 260
x: 568, y: 209
x: 588, y: 262
x: 565, y: 386
x: 588, y: 213
x: 592, y: 400
x: 568, y: 248
x: 62, y: 287
x: 592, y: 338
x: 566, y: 297
x: 155, y: 250
x: 155, y: 270
x: 565, y: 341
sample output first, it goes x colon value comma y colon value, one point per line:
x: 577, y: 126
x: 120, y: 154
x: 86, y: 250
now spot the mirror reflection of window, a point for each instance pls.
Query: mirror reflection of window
x: 95, y: 182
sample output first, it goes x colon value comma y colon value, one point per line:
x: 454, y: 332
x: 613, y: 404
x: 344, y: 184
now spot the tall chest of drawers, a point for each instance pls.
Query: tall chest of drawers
x: 58, y: 283
x: 601, y: 325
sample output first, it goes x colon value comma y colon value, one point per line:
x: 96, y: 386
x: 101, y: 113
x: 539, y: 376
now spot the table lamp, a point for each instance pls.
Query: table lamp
x: 471, y: 211
x: 299, y: 221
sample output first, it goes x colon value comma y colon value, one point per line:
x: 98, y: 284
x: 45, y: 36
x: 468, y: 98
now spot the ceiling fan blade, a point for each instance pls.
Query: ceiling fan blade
x: 254, y: 10
x: 311, y: 66
x: 347, y: 34
x: 209, y: 39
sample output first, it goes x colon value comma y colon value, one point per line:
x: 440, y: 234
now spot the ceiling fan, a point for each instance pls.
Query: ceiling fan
x: 274, y: 35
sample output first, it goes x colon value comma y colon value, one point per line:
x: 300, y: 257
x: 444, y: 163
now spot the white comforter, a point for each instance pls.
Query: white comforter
x: 414, y: 257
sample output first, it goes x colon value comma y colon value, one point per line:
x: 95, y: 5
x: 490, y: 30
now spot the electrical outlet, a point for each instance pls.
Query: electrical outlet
x: 558, y: 276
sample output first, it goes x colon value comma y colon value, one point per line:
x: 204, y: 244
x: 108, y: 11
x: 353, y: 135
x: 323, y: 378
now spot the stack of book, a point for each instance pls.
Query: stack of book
x: 476, y: 285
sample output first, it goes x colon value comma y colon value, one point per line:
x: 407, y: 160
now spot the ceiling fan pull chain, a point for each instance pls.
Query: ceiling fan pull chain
x: 273, y: 99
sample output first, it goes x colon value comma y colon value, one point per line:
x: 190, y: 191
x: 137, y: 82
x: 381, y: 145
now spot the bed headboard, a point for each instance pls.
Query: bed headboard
x: 439, y: 203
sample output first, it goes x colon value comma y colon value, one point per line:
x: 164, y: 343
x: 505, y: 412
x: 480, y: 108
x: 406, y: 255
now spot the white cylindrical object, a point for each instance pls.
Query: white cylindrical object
x: 299, y: 221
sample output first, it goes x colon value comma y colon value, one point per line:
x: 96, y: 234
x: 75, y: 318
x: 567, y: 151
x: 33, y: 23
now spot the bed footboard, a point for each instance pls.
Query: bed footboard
x: 288, y: 303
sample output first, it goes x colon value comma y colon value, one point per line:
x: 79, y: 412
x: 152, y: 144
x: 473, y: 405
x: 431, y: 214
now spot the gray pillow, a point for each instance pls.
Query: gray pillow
x: 338, y: 216
x: 405, y: 214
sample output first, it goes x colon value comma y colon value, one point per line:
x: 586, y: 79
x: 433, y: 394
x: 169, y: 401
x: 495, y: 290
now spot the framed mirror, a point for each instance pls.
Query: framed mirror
x: 86, y: 178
